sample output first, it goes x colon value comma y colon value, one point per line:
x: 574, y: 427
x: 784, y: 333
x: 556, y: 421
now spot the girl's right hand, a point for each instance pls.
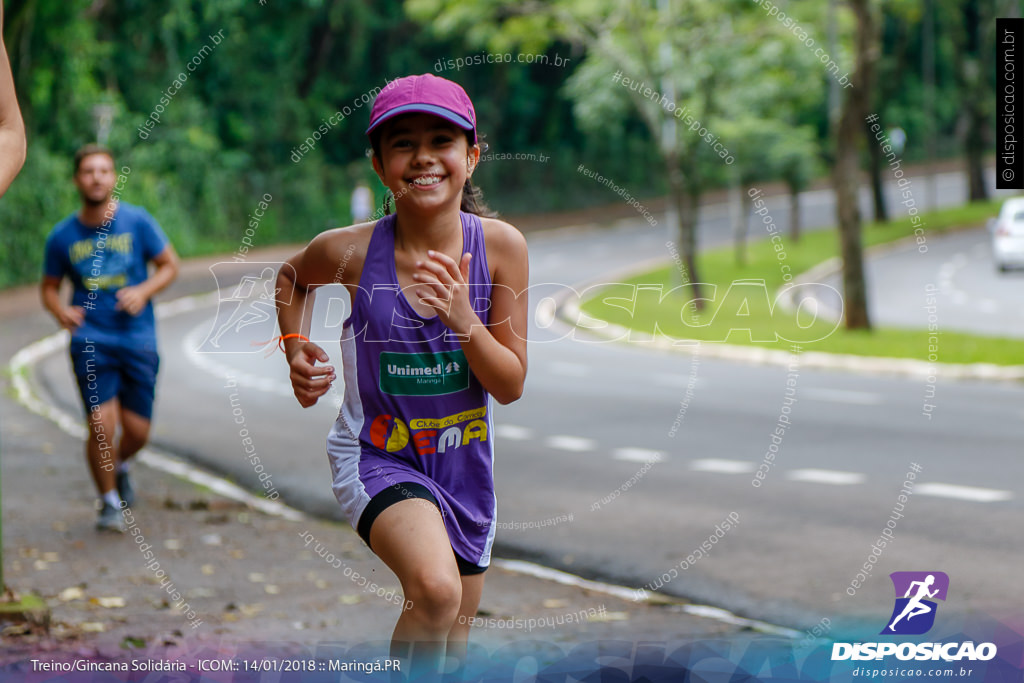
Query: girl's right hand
x: 310, y: 382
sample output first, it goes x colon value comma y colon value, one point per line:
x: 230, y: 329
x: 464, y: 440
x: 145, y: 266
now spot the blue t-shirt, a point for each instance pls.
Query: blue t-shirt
x: 99, y: 261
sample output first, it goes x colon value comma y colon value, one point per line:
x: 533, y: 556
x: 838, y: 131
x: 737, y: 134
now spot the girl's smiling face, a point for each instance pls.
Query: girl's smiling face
x: 425, y: 160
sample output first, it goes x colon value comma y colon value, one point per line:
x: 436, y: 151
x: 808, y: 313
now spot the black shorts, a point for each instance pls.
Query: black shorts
x: 395, y: 494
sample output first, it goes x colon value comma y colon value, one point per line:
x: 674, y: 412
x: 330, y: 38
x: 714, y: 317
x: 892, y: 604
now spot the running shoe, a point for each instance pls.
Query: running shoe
x: 125, y: 488
x: 110, y: 519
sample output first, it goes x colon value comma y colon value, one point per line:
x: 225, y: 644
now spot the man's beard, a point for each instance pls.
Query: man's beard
x: 93, y: 203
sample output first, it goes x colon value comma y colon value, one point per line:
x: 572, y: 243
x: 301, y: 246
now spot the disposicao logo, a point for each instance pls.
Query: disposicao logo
x: 914, y: 614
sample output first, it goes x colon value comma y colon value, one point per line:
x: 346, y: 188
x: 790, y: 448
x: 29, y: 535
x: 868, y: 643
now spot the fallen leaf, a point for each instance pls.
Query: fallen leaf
x: 207, y: 569
x: 73, y: 593
x: 39, y: 565
x: 251, y: 610
x: 554, y: 602
x: 92, y: 627
x: 237, y: 554
x: 172, y: 544
x: 351, y: 599
x: 609, y: 616
x: 256, y: 577
x: 133, y: 642
x: 271, y: 589
x: 211, y: 539
x: 51, y: 557
x: 16, y: 630
x: 109, y: 602
x: 320, y: 583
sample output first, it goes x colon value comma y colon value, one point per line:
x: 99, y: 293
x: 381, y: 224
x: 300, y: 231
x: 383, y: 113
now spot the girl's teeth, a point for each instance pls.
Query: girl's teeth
x: 431, y: 180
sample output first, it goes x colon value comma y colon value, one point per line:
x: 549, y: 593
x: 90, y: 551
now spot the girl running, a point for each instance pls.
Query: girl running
x: 438, y: 326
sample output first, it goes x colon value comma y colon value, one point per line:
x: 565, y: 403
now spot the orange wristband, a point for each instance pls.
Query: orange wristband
x: 280, y: 340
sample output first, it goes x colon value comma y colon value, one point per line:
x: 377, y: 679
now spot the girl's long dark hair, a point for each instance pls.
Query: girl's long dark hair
x: 472, y: 196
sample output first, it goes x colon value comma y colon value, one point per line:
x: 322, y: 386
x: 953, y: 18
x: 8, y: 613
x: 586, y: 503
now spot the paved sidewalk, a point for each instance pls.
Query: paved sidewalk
x: 248, y: 577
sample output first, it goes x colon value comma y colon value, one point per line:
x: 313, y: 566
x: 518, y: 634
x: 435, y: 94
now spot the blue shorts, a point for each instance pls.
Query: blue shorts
x: 104, y: 371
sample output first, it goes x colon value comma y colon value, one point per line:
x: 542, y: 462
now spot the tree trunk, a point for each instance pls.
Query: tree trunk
x: 794, y: 214
x: 740, y: 227
x: 686, y: 206
x: 976, y: 97
x: 845, y: 175
x: 877, y: 184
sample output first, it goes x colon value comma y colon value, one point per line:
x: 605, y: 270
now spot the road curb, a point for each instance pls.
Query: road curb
x: 567, y: 312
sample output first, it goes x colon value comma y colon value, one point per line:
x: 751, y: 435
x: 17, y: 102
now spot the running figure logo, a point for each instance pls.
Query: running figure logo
x: 914, y: 613
x: 246, y: 319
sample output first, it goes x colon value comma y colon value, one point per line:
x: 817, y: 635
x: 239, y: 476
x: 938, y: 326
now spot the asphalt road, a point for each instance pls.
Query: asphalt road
x: 679, y: 437
x: 959, y: 271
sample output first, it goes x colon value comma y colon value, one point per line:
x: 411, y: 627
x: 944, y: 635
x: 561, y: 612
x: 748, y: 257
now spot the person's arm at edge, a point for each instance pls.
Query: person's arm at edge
x: 12, y: 128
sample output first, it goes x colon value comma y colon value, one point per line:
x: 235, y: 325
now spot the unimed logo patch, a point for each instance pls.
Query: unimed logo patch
x: 423, y: 374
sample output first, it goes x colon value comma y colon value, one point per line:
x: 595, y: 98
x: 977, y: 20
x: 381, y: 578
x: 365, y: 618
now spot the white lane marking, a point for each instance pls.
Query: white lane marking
x: 864, y: 398
x: 544, y: 313
x: 570, y: 443
x: 834, y: 477
x: 206, y: 361
x: 973, y: 493
x: 513, y: 432
x: 637, y: 455
x: 569, y: 369
x: 150, y: 456
x: 723, y: 466
x: 706, y: 611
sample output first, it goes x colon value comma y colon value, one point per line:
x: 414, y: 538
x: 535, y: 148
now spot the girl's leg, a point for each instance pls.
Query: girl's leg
x: 410, y: 538
x: 472, y: 589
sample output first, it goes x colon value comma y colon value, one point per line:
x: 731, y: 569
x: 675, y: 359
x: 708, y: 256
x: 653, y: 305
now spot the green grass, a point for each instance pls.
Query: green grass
x: 744, y: 314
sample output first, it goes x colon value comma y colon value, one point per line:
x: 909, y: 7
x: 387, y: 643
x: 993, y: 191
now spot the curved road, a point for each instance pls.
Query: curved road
x: 679, y: 438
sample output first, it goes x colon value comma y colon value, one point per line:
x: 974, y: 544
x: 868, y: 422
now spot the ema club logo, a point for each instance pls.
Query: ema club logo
x: 914, y: 611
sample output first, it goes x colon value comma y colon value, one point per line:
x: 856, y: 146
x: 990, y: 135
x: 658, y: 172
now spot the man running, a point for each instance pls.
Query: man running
x: 104, y: 250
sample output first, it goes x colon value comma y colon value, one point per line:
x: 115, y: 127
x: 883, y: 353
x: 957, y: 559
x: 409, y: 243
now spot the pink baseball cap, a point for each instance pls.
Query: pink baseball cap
x: 427, y: 94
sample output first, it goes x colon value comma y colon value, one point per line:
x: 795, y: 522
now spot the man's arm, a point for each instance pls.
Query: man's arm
x: 133, y: 299
x: 12, y: 128
x: 69, y: 317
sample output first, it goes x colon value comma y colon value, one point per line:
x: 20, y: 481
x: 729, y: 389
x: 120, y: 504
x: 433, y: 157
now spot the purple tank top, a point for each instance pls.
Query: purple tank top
x: 412, y: 402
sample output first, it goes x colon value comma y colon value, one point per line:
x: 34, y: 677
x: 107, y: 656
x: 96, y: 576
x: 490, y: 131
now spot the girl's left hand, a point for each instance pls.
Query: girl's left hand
x: 445, y: 289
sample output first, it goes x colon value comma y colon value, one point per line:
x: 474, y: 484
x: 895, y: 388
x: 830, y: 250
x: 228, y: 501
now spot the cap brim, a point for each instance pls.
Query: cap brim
x: 446, y: 114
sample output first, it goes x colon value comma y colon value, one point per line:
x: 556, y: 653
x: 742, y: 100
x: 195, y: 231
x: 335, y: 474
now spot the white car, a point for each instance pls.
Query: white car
x: 1008, y: 235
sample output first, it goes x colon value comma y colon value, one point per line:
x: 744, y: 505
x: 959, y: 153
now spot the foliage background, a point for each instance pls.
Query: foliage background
x: 226, y: 137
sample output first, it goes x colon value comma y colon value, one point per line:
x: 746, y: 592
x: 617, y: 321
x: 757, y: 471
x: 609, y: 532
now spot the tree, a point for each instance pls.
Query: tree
x: 674, y: 62
x: 849, y: 133
x: 971, y: 23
